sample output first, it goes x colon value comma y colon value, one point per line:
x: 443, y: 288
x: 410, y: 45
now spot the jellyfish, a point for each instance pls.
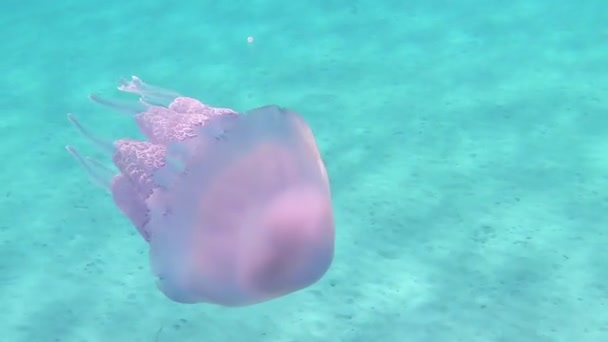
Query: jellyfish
x: 235, y: 207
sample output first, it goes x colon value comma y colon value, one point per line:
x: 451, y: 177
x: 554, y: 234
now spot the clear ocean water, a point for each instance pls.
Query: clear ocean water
x: 466, y: 142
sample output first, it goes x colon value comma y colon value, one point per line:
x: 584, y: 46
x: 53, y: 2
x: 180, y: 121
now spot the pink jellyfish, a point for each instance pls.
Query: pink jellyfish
x: 235, y: 206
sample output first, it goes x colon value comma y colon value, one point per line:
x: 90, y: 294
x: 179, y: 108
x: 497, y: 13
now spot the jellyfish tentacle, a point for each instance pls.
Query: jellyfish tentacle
x: 99, y: 173
x: 106, y: 146
x: 127, y: 107
x: 149, y: 94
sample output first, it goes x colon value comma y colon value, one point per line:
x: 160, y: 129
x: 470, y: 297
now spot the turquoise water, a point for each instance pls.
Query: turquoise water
x: 466, y: 143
